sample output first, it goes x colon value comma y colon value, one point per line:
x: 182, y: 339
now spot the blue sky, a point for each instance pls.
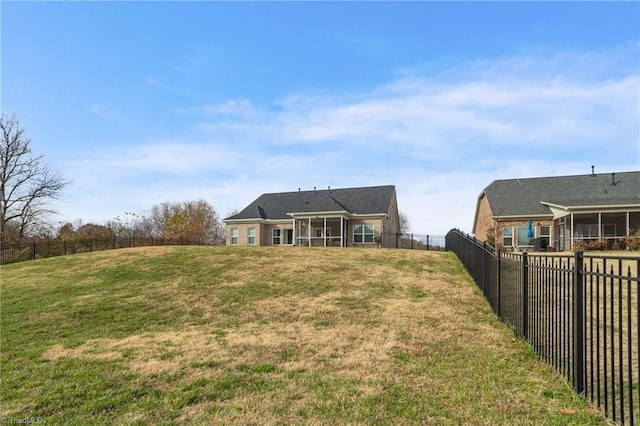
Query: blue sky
x: 144, y: 102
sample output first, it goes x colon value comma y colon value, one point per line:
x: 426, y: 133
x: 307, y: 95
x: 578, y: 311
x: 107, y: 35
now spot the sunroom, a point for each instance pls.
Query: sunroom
x: 336, y: 229
x: 611, y: 225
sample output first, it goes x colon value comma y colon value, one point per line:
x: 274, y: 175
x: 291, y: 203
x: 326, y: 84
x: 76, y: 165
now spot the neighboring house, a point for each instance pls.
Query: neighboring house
x: 560, y: 212
x: 332, y: 217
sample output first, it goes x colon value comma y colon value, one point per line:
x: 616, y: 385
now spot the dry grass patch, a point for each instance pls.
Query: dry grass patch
x: 270, y: 336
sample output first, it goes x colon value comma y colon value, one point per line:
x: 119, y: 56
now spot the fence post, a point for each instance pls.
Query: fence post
x: 578, y: 323
x: 499, y: 282
x: 484, y: 269
x: 33, y: 251
x: 525, y: 296
x: 411, y: 241
x: 427, y: 242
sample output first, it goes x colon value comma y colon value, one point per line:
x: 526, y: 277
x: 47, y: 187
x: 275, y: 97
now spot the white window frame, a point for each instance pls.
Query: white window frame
x: 276, y: 235
x: 285, y: 240
x: 523, y: 232
x: 545, y: 235
x: 362, y: 234
x: 505, y: 236
x: 251, y: 236
x: 234, y: 236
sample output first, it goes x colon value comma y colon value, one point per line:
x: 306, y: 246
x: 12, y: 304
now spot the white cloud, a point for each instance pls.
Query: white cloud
x: 440, y: 138
x: 174, y: 157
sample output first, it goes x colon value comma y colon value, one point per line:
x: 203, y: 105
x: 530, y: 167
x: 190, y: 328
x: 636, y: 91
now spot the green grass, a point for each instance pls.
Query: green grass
x: 170, y: 335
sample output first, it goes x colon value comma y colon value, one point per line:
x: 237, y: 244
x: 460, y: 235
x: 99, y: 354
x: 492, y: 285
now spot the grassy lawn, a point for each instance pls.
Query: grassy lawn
x: 219, y: 335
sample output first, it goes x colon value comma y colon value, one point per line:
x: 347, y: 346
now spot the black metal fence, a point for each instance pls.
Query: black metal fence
x: 50, y: 248
x: 416, y: 241
x: 580, y: 313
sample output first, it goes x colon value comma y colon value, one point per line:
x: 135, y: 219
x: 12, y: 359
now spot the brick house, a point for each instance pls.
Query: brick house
x: 366, y: 217
x: 559, y: 212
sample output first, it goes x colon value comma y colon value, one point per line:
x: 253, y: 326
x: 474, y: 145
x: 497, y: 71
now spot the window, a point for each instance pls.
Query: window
x: 251, y: 236
x: 586, y: 231
x: 363, y: 233
x: 234, y: 236
x: 545, y: 231
x: 523, y: 236
x: 276, y: 237
x: 288, y: 236
x: 507, y: 236
x: 609, y: 230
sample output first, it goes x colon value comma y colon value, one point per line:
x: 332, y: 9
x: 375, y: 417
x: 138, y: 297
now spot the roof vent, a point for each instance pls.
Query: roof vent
x: 593, y: 171
x: 614, y: 182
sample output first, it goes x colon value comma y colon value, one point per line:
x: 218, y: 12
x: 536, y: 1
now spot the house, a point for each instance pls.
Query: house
x: 561, y: 212
x: 365, y: 217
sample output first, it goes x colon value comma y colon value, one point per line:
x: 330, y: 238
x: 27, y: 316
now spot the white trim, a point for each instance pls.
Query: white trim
x: 279, y: 237
x: 524, y: 216
x: 571, y: 231
x: 335, y: 213
x: 363, y: 234
x: 255, y: 220
x: 249, y: 236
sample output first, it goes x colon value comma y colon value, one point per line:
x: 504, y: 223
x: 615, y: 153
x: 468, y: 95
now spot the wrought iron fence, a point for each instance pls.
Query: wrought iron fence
x: 415, y: 241
x: 580, y: 313
x: 38, y: 250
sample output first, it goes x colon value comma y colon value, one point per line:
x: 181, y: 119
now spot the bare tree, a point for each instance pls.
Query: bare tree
x: 26, y: 184
x: 405, y: 226
x: 195, y: 221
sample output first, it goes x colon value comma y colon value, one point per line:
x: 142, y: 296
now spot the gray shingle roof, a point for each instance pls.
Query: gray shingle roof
x: 515, y: 197
x: 366, y: 200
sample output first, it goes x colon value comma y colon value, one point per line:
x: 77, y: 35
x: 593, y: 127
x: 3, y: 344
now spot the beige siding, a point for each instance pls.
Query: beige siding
x: 377, y: 231
x: 391, y: 224
x: 267, y: 239
x: 263, y: 232
x: 485, y: 224
x: 537, y: 222
x: 243, y: 235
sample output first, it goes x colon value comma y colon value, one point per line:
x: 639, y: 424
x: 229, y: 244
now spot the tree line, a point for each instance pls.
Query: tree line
x: 193, y: 221
x: 28, y: 186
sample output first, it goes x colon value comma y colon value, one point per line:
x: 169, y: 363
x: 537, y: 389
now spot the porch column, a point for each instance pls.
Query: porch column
x: 600, y: 226
x: 628, y: 225
x: 324, y: 231
x: 309, y: 232
x: 571, y: 234
x: 342, y: 229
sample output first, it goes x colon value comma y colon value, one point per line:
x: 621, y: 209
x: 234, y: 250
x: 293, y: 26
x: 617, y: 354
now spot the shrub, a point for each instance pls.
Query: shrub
x: 632, y: 242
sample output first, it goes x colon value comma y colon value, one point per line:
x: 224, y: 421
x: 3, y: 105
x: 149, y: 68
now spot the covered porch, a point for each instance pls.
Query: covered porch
x: 321, y: 231
x: 610, y: 229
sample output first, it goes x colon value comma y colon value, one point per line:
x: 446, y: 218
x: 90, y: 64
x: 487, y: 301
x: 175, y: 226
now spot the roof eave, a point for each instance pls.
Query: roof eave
x: 325, y: 213
x: 255, y: 220
x: 523, y: 216
x: 593, y: 207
